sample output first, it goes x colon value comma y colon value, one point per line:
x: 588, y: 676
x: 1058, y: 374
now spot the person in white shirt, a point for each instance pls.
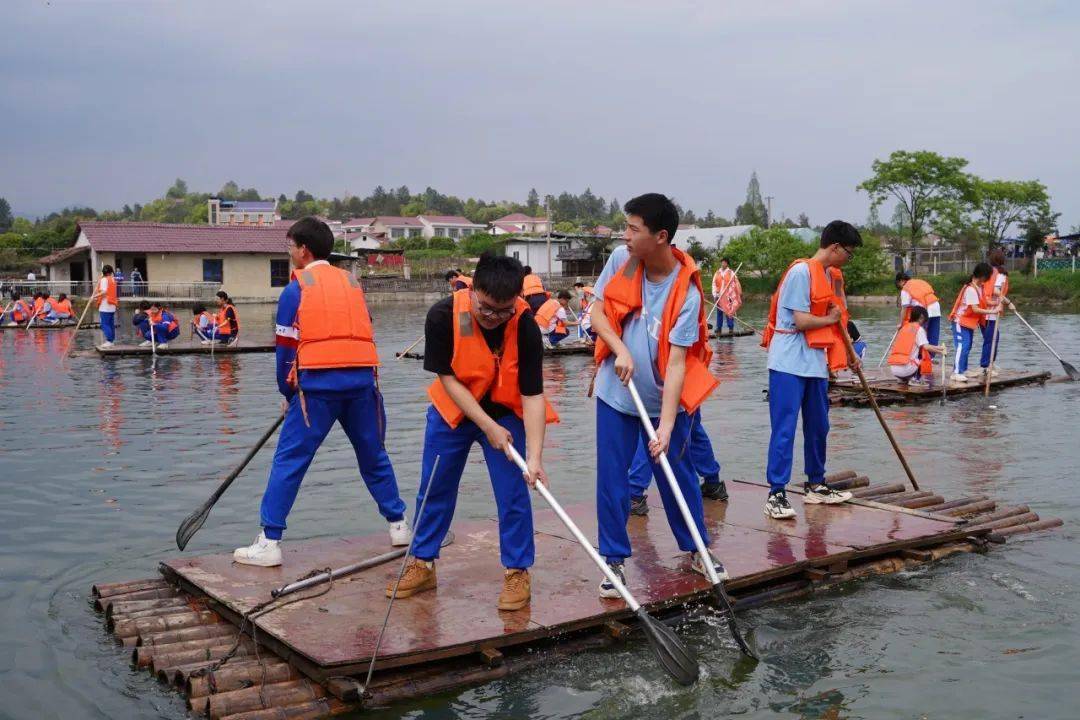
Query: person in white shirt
x: 994, y: 290
x: 969, y: 313
x: 909, y: 356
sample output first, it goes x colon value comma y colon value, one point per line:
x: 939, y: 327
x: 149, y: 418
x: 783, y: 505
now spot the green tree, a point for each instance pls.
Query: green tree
x: 474, y: 245
x: 804, y: 220
x: 229, y: 191
x: 922, y: 182
x: 767, y: 252
x: 698, y: 251
x: 533, y: 202
x: 752, y: 212
x: 178, y: 191
x: 867, y: 267
x: 1002, y: 203
x: 1036, y: 227
x: 6, y: 218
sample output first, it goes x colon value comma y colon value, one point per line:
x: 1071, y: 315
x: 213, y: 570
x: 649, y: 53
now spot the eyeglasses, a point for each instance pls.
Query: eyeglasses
x: 491, y: 312
x: 850, y: 253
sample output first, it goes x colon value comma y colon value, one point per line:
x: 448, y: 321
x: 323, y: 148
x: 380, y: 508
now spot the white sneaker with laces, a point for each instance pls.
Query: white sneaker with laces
x: 777, y: 507
x: 958, y: 378
x: 400, y: 534
x: 163, y: 346
x: 697, y: 566
x: 145, y: 343
x: 263, y: 552
x: 824, y: 495
x: 607, y: 588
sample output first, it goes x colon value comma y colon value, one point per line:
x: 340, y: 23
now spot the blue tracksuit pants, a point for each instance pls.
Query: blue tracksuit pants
x: 451, y: 446
x: 161, y: 334
x: 618, y: 437
x: 363, y: 420
x: 933, y: 330
x: 788, y: 396
x: 108, y: 325
x: 988, y: 342
x: 701, y: 455
x: 720, y: 317
x: 556, y: 337
x: 962, y: 339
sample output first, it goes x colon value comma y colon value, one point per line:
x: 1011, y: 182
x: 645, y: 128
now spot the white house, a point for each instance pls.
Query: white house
x: 520, y: 223
x: 711, y: 238
x: 241, y: 212
x: 538, y: 252
x: 451, y: 226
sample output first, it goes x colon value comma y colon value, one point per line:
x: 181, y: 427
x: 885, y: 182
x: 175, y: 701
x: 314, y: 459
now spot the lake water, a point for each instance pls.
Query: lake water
x: 101, y: 460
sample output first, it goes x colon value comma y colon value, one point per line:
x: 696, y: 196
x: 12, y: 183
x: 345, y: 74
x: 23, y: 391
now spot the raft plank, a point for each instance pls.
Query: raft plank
x: 889, y: 392
x: 335, y: 632
x: 187, y: 347
x: 47, y: 326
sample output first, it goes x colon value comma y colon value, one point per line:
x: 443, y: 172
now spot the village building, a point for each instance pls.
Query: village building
x: 241, y: 212
x: 520, y: 224
x: 542, y: 254
x: 451, y: 226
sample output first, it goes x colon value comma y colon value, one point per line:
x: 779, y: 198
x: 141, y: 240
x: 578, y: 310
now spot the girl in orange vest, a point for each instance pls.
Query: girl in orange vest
x: 202, y: 322
x: 909, y: 356
x: 154, y: 318
x: 62, y: 308
x: 804, y: 340
x: 649, y: 317
x: 20, y: 310
x: 107, y: 302
x: 532, y: 289
x: 585, y: 301
x: 326, y: 364
x: 994, y: 291
x: 226, y: 323
x: 553, y: 320
x: 457, y: 280
x: 968, y: 312
x: 919, y: 293
x: 485, y: 348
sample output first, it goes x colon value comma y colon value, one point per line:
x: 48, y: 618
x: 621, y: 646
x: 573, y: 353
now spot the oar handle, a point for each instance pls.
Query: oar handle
x: 575, y: 531
x: 724, y: 287
x: 1033, y: 331
x: 676, y: 491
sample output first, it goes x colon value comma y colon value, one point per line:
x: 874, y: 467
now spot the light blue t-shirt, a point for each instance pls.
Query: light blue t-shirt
x: 641, y: 331
x: 788, y: 352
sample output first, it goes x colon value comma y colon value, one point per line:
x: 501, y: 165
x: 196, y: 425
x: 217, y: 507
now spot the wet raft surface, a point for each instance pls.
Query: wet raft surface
x: 187, y: 347
x: 51, y: 326
x: 890, y: 392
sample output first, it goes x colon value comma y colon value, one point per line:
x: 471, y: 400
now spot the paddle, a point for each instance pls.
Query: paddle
x: 723, y: 289
x: 7, y: 307
x: 153, y: 340
x: 888, y: 347
x: 195, y: 520
x: 873, y: 404
x: 944, y: 386
x: 993, y: 355
x: 699, y: 543
x: 71, y: 343
x: 746, y: 325
x: 31, y: 320
x: 1068, y: 368
x: 677, y: 659
x: 404, y: 352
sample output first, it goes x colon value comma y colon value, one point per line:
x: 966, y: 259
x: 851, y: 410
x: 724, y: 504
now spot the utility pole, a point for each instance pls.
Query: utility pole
x: 547, y: 210
x: 768, y: 211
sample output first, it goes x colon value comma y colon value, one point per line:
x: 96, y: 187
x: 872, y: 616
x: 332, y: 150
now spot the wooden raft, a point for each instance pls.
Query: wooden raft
x: 307, y: 659
x: 741, y: 332
x: 187, y: 347
x: 890, y: 392
x: 50, y: 326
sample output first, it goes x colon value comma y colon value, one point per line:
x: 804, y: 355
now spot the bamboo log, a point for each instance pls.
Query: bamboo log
x: 850, y: 483
x: 198, y: 632
x: 839, y: 476
x: 104, y: 590
x: 917, y: 503
x: 263, y: 697
x: 178, y: 621
x: 955, y: 503
x: 123, y: 607
x: 1024, y: 519
x: 178, y: 675
x: 228, y: 678
x: 311, y: 710
x: 1002, y: 513
x: 1031, y: 527
x: 143, y: 655
x: 971, y: 508
x: 103, y: 604
x: 191, y: 606
x: 213, y: 652
x: 897, y: 498
x: 872, y: 490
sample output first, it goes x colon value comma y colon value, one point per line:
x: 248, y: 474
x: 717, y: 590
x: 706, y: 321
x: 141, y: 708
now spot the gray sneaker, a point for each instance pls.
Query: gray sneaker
x: 639, y: 505
x: 777, y: 506
x: 607, y: 588
x: 824, y: 495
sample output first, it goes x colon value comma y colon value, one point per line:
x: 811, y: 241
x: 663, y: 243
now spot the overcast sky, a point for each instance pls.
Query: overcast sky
x: 105, y: 103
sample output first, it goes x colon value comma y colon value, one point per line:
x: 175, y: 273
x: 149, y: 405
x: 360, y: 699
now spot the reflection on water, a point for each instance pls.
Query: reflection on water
x: 101, y: 459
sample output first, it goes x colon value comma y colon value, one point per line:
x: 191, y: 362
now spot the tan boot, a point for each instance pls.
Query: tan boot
x: 517, y: 590
x: 419, y: 576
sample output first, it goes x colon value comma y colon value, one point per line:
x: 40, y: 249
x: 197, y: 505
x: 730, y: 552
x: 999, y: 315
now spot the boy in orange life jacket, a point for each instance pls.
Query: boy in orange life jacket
x: 107, y: 303
x: 457, y: 281
x: 727, y: 295
x: 485, y: 348
x: 202, y: 322
x: 532, y: 289
x: 649, y: 304
x: 326, y: 360
x: 552, y: 318
x: 909, y: 356
x: 805, y: 344
x: 969, y: 312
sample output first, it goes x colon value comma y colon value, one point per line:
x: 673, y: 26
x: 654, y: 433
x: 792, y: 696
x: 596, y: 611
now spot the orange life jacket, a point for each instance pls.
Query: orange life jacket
x: 532, y: 285
x: 900, y: 352
x: 988, y: 287
x: 159, y: 317
x: 110, y: 291
x: 333, y: 321
x: 39, y: 303
x: 21, y: 312
x: 825, y: 288
x: 63, y: 306
x: 969, y: 319
x: 225, y: 325
x: 546, y: 313
x: 479, y: 369
x: 921, y: 292
x: 204, y: 315
x: 464, y: 279
x: 623, y: 297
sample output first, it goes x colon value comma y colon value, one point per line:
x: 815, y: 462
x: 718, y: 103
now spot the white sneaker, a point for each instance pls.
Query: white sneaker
x: 994, y: 373
x: 163, y: 346
x: 263, y: 552
x: 145, y: 343
x: 824, y: 495
x: 607, y: 588
x: 400, y: 534
x: 958, y: 378
x: 777, y: 507
x: 106, y: 344
x: 697, y: 566
x: 204, y: 342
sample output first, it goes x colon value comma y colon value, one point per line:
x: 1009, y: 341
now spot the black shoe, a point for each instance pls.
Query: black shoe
x: 778, y: 507
x: 607, y: 588
x: 639, y: 505
x: 714, y: 491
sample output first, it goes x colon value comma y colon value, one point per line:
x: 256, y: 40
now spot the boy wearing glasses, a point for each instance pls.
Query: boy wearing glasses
x: 326, y: 362
x: 486, y: 350
x: 805, y: 343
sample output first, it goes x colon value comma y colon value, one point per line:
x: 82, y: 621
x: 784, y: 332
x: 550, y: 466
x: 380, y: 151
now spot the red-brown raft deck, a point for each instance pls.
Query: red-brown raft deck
x: 187, y: 347
x: 308, y: 657
x: 888, y: 391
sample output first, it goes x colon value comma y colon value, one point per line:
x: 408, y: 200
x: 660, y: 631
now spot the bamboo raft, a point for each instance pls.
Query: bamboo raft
x: 187, y: 347
x: 575, y: 347
x: 891, y: 392
x: 48, y: 326
x: 742, y: 332
x: 308, y: 658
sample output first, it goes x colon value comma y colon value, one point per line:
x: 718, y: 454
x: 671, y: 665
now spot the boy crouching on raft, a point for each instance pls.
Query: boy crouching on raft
x: 649, y: 317
x: 909, y: 356
x: 805, y: 343
x: 485, y: 347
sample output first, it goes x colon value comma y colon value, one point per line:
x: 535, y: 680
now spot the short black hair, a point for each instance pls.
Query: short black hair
x: 224, y: 296
x: 198, y: 309
x: 527, y: 269
x: 15, y: 296
x: 918, y: 313
x: 564, y: 295
x: 106, y: 270
x: 63, y: 296
x: 144, y: 305
x: 853, y: 331
x: 902, y: 277
x: 314, y: 234
x: 45, y: 295
x: 982, y: 271
x: 499, y: 276
x: 656, y: 211
x: 726, y: 259
x: 450, y: 275
x: 579, y: 284
x: 37, y: 294
x: 841, y: 232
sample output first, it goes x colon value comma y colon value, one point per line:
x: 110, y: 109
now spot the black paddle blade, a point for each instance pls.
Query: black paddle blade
x: 191, y: 525
x: 725, y: 605
x: 679, y: 660
x: 1072, y: 372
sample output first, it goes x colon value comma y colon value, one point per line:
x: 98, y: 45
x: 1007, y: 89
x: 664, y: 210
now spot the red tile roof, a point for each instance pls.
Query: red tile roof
x: 398, y: 220
x: 159, y: 237
x: 448, y: 220
x: 62, y: 255
x: 358, y: 222
x: 508, y: 227
x: 520, y: 217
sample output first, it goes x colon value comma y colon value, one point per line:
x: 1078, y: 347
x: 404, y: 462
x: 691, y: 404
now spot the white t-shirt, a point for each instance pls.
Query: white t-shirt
x: 908, y: 369
x: 105, y: 305
x: 999, y: 285
x: 560, y: 315
x: 971, y: 299
x: 586, y: 317
x: 933, y: 310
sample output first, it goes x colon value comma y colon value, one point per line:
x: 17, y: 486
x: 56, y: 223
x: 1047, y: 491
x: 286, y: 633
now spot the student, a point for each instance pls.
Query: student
x: 486, y: 350
x: 585, y: 303
x: 649, y: 317
x: 994, y: 290
x: 804, y: 340
x: 326, y: 360
x: 701, y: 455
x: 457, y: 281
x: 919, y: 293
x: 553, y: 320
x: 856, y: 340
x: 21, y: 310
x: 969, y: 312
x: 909, y: 356
x: 154, y: 318
x: 202, y: 322
x: 39, y: 306
x: 727, y: 295
x: 106, y: 295
x: 226, y: 328
x: 532, y: 289
x: 62, y: 308
x: 47, y: 314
